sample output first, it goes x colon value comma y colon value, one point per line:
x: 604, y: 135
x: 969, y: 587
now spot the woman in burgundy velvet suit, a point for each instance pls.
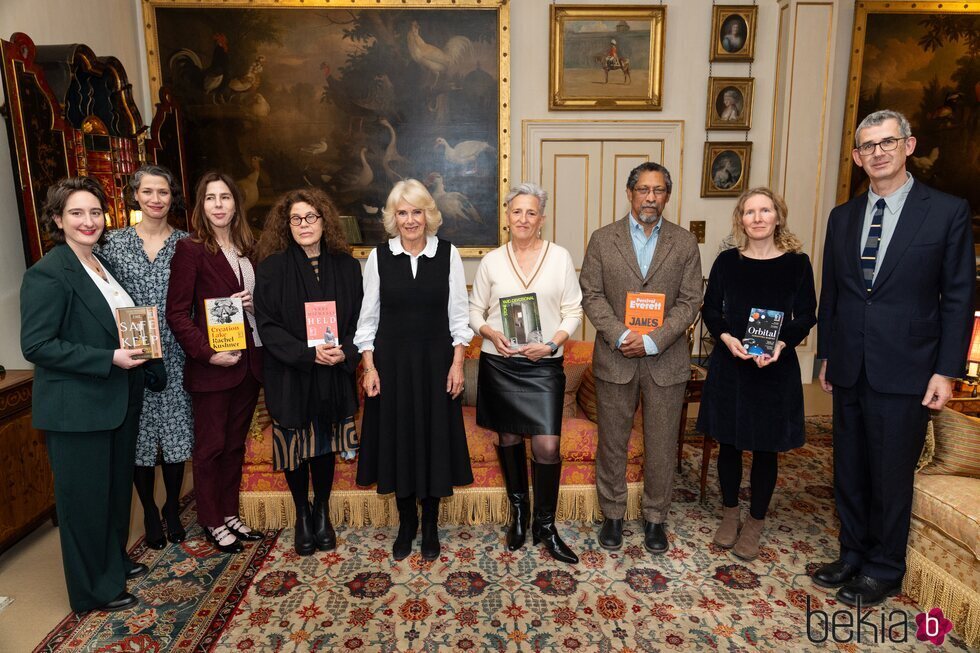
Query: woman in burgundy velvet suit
x: 224, y: 386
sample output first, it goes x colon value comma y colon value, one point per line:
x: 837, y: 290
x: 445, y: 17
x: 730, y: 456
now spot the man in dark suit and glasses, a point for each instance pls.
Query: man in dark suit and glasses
x: 896, y: 309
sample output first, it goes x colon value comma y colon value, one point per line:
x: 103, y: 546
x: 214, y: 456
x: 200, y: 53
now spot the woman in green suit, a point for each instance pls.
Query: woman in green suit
x: 68, y: 331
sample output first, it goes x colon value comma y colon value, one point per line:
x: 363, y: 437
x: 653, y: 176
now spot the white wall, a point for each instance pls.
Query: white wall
x: 109, y: 27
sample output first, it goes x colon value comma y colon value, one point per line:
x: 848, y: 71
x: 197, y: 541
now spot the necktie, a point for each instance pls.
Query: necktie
x: 869, y: 257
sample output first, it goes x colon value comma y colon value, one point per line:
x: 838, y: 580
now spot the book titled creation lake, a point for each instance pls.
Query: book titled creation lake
x: 762, y: 331
x: 226, y: 323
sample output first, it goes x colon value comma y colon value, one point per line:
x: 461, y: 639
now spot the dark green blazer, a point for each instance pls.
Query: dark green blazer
x: 69, y: 333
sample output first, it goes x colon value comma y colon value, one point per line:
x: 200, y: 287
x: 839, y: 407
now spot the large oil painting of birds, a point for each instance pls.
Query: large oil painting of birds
x: 346, y: 100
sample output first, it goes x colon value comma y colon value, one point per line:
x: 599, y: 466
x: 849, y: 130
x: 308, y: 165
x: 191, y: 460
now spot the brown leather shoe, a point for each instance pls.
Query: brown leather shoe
x: 747, y: 546
x: 727, y: 532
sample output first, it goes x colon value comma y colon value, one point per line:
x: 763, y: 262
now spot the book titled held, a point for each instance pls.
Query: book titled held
x: 762, y: 331
x: 139, y: 328
x: 321, y: 323
x: 226, y: 323
x: 644, y: 311
x: 521, y: 320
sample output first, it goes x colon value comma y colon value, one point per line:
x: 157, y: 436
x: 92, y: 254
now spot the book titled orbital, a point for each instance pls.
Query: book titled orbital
x: 762, y: 331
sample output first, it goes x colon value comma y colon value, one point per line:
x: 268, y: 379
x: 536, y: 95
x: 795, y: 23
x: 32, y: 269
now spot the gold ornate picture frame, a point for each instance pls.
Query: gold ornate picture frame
x: 349, y: 97
x: 733, y: 32
x: 725, y: 171
x: 606, y: 57
x: 729, y: 103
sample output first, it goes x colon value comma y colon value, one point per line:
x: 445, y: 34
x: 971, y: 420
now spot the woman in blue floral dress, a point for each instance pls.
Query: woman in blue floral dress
x: 141, y: 258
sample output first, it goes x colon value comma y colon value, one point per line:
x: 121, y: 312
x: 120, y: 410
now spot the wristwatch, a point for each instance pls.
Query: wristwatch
x: 554, y: 347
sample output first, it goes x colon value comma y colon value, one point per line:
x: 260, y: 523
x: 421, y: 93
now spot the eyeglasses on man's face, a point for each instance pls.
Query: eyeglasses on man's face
x: 886, y: 145
x: 659, y: 191
x: 297, y: 220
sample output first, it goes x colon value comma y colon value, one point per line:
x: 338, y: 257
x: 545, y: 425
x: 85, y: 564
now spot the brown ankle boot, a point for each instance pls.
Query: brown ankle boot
x: 747, y: 547
x: 727, y: 531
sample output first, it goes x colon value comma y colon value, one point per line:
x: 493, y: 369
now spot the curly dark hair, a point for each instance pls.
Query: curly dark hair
x: 276, y: 235
x: 58, y: 194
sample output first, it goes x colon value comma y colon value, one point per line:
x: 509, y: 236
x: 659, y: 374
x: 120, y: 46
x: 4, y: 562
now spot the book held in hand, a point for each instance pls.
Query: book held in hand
x: 644, y: 311
x: 321, y: 324
x: 226, y: 323
x: 522, y: 322
x: 139, y: 328
x: 762, y: 332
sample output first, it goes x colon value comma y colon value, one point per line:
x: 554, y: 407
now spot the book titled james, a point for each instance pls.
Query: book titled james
x: 139, y: 327
x: 644, y: 311
x: 226, y: 323
x: 522, y: 322
x: 321, y: 323
x: 762, y: 332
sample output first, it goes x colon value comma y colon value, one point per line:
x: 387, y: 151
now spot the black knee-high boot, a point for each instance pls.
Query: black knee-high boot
x: 321, y: 470
x: 408, y: 527
x: 298, y: 481
x: 173, y: 478
x: 513, y: 464
x: 430, y: 528
x: 143, y: 478
x: 546, y: 482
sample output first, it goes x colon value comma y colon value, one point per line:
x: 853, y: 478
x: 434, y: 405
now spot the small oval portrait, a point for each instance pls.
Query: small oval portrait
x: 733, y: 33
x: 726, y: 170
x: 730, y: 104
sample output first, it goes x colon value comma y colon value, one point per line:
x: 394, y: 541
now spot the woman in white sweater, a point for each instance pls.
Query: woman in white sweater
x: 526, y: 301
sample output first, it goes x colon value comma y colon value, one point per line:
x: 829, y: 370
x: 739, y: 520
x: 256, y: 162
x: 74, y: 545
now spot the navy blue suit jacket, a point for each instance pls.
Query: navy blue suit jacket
x: 917, y: 319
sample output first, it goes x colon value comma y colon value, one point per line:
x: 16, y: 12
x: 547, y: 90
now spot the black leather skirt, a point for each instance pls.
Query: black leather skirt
x: 516, y: 395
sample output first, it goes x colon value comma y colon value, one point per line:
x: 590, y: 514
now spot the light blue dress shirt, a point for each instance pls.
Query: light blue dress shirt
x: 894, y: 204
x: 644, y: 246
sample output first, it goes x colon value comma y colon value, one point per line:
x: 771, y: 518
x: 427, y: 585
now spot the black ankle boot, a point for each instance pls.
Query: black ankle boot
x: 513, y: 464
x: 408, y: 526
x: 323, y: 533
x: 546, y: 482
x: 430, y: 528
x: 304, y: 530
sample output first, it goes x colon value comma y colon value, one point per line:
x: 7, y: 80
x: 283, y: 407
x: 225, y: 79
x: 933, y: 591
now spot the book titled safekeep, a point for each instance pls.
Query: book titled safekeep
x: 762, y: 331
x: 139, y: 328
x: 644, y: 311
x: 321, y: 323
x: 226, y: 323
x: 521, y: 320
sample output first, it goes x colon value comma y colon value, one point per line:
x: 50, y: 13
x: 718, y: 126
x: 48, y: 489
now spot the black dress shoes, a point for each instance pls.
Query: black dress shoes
x: 175, y: 530
x: 867, y: 591
x: 220, y: 533
x: 124, y: 601
x: 654, y: 537
x: 611, y: 534
x: 241, y: 531
x: 834, y: 574
x: 136, y: 570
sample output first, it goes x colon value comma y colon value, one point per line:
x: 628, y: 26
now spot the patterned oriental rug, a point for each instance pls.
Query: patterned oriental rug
x: 480, y: 597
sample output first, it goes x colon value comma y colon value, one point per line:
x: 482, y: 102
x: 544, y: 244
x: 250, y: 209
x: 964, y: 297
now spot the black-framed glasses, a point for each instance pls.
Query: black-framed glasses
x: 886, y: 145
x: 646, y: 190
x: 310, y: 218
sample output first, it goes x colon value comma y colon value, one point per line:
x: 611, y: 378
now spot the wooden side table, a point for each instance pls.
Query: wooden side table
x: 692, y: 395
x: 26, y: 486
x: 966, y: 405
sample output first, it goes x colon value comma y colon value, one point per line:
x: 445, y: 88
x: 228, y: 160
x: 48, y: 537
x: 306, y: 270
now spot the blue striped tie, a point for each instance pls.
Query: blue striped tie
x: 869, y: 257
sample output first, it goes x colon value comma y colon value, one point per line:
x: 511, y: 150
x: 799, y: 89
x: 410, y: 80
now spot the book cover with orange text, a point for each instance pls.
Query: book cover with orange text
x: 226, y: 323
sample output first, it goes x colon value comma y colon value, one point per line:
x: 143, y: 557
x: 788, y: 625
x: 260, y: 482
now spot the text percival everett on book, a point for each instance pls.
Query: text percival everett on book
x: 762, y: 331
x: 321, y: 324
x: 521, y: 320
x: 644, y: 311
x: 139, y: 328
x: 226, y: 323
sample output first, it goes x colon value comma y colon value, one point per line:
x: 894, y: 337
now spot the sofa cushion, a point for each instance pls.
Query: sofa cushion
x: 587, y: 397
x: 928, y: 448
x: 573, y: 381
x: 950, y: 504
x: 957, y: 444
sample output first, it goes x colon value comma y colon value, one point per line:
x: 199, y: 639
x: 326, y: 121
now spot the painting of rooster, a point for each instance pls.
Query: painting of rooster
x: 348, y: 100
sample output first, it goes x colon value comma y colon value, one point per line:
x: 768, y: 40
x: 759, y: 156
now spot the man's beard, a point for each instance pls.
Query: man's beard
x: 649, y: 218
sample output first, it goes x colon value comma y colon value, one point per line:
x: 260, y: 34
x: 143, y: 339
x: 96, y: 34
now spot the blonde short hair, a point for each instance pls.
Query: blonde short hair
x: 415, y: 193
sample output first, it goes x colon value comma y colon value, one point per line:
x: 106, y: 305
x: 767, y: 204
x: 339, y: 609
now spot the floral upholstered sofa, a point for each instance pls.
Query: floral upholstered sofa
x: 266, y: 502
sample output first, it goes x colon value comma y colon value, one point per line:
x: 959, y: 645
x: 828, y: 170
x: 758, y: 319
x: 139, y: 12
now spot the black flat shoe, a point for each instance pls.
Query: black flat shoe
x: 175, y: 530
x: 153, y: 528
x: 237, y: 528
x: 866, y: 591
x: 834, y: 574
x: 233, y: 547
x: 125, y: 601
x: 137, y: 570
x: 611, y: 534
x: 654, y: 537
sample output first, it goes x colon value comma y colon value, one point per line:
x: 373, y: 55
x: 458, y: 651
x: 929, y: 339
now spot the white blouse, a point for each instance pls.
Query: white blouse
x: 245, y: 273
x: 115, y: 295
x: 367, y: 323
x: 553, y: 279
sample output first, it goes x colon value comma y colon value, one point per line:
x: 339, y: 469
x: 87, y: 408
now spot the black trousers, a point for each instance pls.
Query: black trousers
x: 878, y: 438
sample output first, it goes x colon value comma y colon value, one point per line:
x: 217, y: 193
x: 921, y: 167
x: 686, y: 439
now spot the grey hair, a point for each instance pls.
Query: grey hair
x: 649, y: 166
x: 878, y: 117
x: 527, y: 188
x: 153, y: 170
